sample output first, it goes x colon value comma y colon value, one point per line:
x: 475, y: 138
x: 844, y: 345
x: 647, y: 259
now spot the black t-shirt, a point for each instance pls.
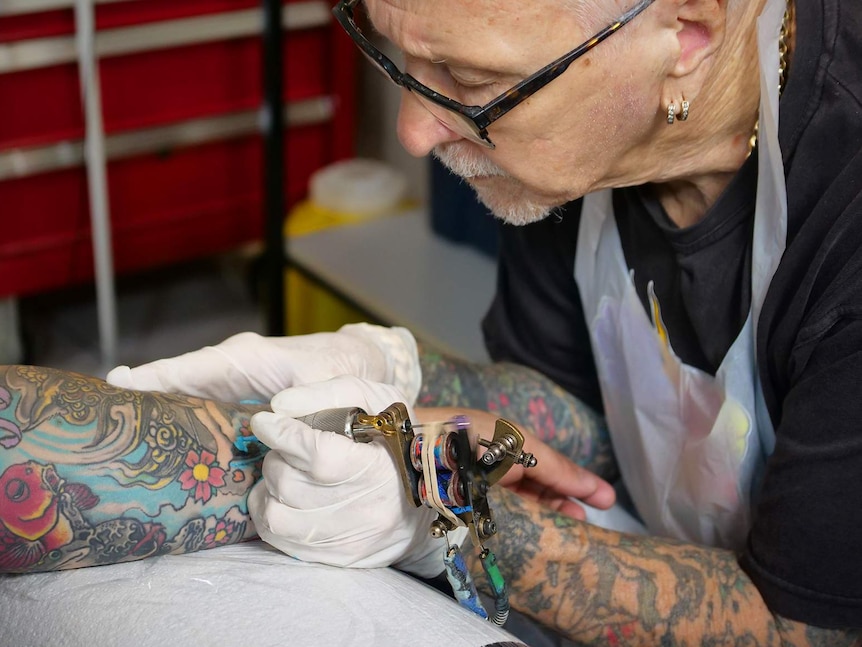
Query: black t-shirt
x: 804, y: 550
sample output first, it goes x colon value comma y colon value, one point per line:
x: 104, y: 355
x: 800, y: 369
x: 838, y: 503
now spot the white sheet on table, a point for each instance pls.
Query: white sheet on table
x: 247, y: 594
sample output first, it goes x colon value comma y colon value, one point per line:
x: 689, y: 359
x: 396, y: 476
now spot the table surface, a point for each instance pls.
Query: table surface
x: 402, y: 273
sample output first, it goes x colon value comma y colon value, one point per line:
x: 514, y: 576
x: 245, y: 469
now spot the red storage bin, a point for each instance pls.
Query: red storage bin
x: 156, y: 88
x: 178, y: 202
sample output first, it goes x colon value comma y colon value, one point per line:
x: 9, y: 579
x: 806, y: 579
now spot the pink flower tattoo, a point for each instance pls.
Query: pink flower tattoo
x: 201, y: 476
x: 222, y: 534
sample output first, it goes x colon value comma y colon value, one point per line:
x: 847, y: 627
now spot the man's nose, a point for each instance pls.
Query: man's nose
x: 418, y: 130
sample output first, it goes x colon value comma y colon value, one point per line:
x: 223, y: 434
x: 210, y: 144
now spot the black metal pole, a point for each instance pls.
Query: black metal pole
x: 274, y: 168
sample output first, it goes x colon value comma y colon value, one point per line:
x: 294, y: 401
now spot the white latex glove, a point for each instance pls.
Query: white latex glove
x: 248, y: 366
x: 324, y: 498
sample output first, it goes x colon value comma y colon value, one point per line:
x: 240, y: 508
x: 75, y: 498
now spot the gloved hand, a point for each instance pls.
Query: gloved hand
x: 324, y: 498
x: 248, y: 366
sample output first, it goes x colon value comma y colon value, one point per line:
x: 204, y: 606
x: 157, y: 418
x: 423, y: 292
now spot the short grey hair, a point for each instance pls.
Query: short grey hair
x: 596, y: 14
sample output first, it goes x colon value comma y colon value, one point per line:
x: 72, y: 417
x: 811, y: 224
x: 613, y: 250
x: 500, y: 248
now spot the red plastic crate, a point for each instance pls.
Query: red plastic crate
x: 181, y: 203
x: 158, y: 87
x: 164, y: 208
x: 113, y: 15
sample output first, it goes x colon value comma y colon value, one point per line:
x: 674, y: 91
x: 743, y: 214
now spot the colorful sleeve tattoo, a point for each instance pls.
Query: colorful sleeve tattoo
x: 526, y: 398
x: 92, y: 474
x: 595, y: 586
x: 599, y: 587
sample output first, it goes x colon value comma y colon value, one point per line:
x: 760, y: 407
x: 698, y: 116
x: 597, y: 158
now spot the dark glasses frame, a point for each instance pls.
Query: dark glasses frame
x: 479, y: 116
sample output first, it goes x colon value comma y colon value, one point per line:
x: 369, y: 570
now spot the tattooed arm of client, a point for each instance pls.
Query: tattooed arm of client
x: 92, y: 474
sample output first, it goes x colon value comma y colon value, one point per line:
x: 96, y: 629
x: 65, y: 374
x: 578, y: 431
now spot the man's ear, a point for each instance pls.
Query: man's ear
x: 701, y: 32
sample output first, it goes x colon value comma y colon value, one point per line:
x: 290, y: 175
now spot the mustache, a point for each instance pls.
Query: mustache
x: 511, y: 202
x: 461, y: 160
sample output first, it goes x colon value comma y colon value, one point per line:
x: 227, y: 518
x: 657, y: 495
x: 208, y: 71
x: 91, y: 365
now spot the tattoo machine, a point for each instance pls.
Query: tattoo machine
x: 439, y: 468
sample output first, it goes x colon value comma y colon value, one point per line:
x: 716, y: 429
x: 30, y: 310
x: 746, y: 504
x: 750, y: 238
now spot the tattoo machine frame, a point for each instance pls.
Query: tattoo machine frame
x: 439, y: 469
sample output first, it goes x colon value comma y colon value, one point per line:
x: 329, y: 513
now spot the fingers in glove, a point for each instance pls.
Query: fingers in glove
x: 285, y: 528
x: 302, y: 526
x: 328, y: 537
x: 325, y: 456
x: 300, y: 489
x: 210, y: 372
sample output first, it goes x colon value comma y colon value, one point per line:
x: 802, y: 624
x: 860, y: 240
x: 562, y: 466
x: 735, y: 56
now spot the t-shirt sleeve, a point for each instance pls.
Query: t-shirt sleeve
x: 803, y: 551
x: 536, y: 318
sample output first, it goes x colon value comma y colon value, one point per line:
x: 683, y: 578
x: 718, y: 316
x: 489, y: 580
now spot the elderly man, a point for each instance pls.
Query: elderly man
x: 688, y: 189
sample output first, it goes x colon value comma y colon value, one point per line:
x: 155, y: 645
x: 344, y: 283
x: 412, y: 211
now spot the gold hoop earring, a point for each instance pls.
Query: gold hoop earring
x: 683, y: 115
x: 671, y: 113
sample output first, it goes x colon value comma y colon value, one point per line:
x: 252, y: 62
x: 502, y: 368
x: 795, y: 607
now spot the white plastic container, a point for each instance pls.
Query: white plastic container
x: 358, y: 187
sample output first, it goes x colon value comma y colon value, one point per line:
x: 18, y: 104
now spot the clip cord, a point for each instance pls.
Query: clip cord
x: 498, y: 586
x: 462, y: 582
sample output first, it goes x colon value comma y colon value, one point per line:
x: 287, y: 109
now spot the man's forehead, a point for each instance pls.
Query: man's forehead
x: 450, y: 29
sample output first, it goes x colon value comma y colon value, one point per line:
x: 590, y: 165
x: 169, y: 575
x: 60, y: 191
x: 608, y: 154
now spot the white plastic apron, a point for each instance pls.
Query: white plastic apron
x: 689, y: 446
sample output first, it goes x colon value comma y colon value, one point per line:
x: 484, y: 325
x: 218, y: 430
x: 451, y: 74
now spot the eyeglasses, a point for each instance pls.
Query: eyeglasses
x: 472, y: 122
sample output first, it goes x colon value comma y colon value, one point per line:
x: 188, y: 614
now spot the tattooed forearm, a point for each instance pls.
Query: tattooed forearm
x: 797, y: 634
x: 525, y: 397
x: 599, y: 587
x: 92, y: 474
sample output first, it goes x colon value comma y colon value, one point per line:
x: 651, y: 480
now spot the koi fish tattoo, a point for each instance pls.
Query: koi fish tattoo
x: 93, y: 474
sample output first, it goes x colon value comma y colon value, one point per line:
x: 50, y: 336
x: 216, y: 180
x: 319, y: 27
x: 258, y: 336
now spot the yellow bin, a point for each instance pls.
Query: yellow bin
x: 310, y: 306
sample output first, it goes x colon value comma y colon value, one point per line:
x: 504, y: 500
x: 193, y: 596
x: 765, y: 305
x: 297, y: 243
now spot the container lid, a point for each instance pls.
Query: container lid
x: 359, y: 187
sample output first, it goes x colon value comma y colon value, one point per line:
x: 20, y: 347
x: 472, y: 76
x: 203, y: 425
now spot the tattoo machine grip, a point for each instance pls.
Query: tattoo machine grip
x: 340, y: 421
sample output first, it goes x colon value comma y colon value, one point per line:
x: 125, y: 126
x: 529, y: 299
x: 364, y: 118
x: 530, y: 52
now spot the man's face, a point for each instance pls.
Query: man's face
x: 573, y: 136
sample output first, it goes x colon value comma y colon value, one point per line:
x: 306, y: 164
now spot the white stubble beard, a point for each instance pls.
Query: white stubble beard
x: 505, y: 197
